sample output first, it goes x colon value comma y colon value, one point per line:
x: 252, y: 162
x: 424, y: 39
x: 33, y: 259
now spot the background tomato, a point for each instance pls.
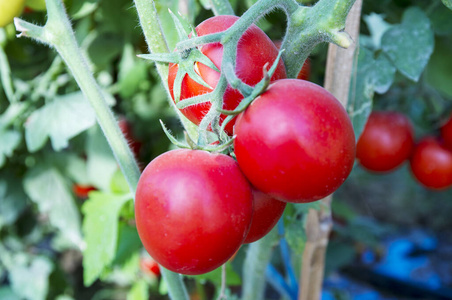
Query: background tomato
x: 255, y: 49
x: 149, y: 266
x: 193, y: 210
x: 126, y: 129
x: 82, y: 191
x: 295, y: 142
x: 431, y: 164
x: 10, y: 9
x: 266, y: 213
x: 446, y: 133
x: 386, y: 142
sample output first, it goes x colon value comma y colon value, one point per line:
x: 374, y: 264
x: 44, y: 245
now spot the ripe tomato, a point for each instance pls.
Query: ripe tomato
x: 149, y: 266
x: 193, y: 210
x: 431, y: 164
x: 305, y: 69
x: 82, y: 191
x: 10, y: 9
x: 446, y: 133
x: 254, y: 50
x: 295, y: 142
x: 267, y: 212
x: 386, y: 142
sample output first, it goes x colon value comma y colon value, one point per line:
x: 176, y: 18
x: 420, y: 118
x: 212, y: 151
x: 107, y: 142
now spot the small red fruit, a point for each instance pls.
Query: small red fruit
x: 150, y: 266
x: 295, y: 142
x: 431, y: 164
x: 82, y: 191
x: 266, y: 213
x: 193, y: 210
x: 446, y: 133
x: 386, y: 142
x: 305, y: 71
x: 254, y: 50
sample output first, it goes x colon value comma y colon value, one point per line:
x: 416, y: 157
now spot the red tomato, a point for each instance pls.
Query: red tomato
x: 82, y: 191
x: 305, y: 69
x: 446, y: 133
x: 150, y: 266
x: 193, y: 210
x: 254, y: 50
x: 431, y: 164
x: 267, y: 212
x: 386, y: 142
x: 295, y: 142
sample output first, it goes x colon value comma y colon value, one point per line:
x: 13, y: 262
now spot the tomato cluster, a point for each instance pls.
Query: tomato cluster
x: 294, y: 143
x: 388, y: 140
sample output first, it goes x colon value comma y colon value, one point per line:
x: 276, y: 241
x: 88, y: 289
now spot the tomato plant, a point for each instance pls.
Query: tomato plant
x: 266, y: 213
x: 386, y: 142
x: 254, y: 50
x: 10, y: 9
x: 446, y: 133
x: 295, y: 142
x: 193, y: 210
x: 431, y: 164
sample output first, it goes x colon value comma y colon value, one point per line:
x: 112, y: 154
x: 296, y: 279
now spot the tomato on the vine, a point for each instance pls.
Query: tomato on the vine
x: 386, y: 142
x: 295, y: 142
x: 193, y: 210
x: 431, y: 164
x: 446, y: 133
x: 10, y: 9
x: 254, y: 50
x: 266, y: 213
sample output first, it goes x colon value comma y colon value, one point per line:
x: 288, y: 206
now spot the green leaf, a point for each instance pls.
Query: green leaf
x: 10, y: 140
x: 132, y: 72
x: 81, y: 9
x: 112, y: 41
x: 377, y: 27
x: 139, y: 291
x: 129, y: 243
x: 60, y: 120
x: 440, y: 18
x: 438, y: 73
x: 448, y: 3
x: 13, y: 199
x: 47, y: 187
x: 100, y: 228
x: 410, y: 44
x: 31, y: 281
x: 101, y: 164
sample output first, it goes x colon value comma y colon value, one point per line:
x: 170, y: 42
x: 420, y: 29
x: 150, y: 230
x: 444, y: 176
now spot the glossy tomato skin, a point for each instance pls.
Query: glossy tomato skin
x: 267, y: 212
x: 386, y: 142
x: 254, y: 50
x: 431, y: 164
x: 295, y: 142
x: 446, y: 133
x: 193, y: 210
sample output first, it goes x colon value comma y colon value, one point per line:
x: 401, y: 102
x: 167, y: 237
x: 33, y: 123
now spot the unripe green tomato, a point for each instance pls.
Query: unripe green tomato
x: 10, y: 9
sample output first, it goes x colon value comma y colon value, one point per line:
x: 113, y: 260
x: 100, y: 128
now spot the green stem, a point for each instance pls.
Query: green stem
x: 58, y: 33
x: 256, y: 261
x: 221, y: 7
x: 5, y: 70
